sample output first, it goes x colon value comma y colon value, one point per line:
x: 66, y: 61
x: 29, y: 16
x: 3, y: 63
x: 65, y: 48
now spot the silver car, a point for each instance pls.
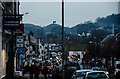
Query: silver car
x: 79, y: 74
x: 96, y: 75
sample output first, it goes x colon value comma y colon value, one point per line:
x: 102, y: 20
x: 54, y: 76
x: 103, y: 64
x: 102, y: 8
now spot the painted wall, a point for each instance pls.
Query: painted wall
x: 0, y: 40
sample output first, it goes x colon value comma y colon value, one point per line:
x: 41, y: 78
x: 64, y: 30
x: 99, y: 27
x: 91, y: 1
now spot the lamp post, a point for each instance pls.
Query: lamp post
x: 63, y: 37
x: 24, y: 15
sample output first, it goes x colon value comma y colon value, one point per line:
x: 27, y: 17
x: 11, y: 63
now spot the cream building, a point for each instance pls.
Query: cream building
x: 7, y: 8
x: 2, y: 53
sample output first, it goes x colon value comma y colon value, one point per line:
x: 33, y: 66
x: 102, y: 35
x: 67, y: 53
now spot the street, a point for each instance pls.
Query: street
x: 37, y: 39
x: 26, y: 76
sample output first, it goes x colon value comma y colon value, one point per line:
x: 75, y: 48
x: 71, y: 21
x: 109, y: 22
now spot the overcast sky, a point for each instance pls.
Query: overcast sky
x: 44, y: 13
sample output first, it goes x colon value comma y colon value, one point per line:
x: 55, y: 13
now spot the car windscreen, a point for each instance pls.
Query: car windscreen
x: 95, y: 75
x: 81, y: 74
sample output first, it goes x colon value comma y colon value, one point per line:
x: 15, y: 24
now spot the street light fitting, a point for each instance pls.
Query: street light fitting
x: 26, y: 13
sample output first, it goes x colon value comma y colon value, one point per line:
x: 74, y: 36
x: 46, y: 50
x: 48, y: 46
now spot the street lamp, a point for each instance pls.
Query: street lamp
x: 24, y: 15
x: 63, y: 57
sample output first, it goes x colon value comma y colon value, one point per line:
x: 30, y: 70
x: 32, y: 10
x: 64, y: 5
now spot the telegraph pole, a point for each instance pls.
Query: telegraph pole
x: 63, y: 57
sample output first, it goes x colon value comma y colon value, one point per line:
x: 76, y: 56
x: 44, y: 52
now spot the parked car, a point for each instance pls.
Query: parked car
x: 100, y: 69
x: 96, y: 75
x: 18, y: 73
x: 79, y: 74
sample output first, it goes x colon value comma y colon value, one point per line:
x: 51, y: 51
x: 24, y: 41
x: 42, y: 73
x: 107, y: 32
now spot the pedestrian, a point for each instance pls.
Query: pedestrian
x: 25, y: 68
x: 36, y: 70
x: 45, y: 71
x: 40, y: 67
x: 31, y: 70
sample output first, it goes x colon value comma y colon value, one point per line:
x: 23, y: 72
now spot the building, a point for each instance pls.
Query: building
x: 110, y: 47
x: 7, y: 9
x: 1, y: 59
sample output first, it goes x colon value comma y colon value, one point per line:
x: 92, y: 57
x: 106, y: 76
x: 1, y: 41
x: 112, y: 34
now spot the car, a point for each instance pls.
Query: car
x: 100, y: 69
x: 86, y: 67
x: 96, y: 75
x: 95, y: 68
x: 79, y: 74
x: 18, y: 73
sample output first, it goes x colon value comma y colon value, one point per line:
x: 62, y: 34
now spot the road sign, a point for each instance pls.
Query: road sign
x: 11, y: 21
x: 21, y: 50
x: 19, y: 41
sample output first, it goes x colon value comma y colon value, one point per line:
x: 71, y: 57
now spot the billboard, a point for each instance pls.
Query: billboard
x: 75, y: 56
x: 20, y: 29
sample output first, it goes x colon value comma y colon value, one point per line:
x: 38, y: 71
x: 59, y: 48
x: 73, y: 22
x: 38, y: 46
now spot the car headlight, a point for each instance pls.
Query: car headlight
x: 107, y: 72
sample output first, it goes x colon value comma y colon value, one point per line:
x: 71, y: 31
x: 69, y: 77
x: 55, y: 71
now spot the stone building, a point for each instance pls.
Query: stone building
x: 6, y: 8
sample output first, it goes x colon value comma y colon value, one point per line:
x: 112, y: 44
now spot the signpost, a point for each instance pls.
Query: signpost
x: 20, y: 55
x: 19, y: 41
x: 20, y: 50
x: 11, y: 22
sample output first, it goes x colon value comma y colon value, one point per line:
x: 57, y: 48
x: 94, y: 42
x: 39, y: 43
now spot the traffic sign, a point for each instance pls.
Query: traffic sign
x: 19, y: 41
x: 21, y: 50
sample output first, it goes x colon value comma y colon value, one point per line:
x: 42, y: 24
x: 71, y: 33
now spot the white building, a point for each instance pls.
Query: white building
x: 41, y: 49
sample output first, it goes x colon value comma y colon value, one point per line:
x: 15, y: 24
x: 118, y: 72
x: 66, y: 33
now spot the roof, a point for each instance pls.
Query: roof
x: 111, y: 38
x: 116, y: 36
x: 96, y: 71
x: 84, y: 70
x: 108, y: 38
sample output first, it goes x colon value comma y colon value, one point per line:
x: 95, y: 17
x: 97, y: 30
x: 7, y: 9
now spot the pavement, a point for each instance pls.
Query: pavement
x: 2, y: 72
x: 27, y: 76
x: 41, y: 76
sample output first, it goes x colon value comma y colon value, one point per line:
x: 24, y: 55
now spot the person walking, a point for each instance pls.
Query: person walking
x: 45, y: 71
x: 31, y: 70
x: 36, y: 70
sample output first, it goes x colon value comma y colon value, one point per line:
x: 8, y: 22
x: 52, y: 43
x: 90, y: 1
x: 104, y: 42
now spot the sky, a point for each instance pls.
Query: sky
x: 44, y: 13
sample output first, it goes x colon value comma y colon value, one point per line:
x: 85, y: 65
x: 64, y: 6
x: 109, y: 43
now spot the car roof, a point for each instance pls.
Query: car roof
x: 84, y: 70
x: 96, y: 71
